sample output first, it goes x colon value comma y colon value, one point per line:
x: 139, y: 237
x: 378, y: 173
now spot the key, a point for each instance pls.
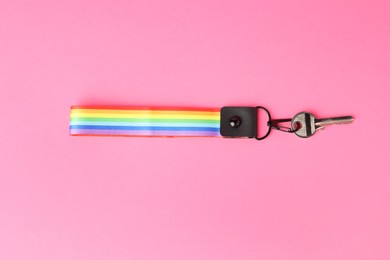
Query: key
x: 305, y: 124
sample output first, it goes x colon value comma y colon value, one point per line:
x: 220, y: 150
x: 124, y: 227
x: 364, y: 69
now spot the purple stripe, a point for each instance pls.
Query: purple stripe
x: 142, y: 133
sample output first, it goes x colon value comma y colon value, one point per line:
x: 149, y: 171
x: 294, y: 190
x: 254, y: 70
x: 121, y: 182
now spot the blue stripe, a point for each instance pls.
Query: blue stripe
x: 156, y: 128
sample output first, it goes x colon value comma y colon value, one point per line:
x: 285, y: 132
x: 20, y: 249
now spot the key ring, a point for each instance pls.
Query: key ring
x: 274, y: 124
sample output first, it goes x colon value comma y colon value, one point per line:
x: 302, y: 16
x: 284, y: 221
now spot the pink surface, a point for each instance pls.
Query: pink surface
x: 65, y: 197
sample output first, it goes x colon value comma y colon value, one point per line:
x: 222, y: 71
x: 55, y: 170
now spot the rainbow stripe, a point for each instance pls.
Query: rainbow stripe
x: 132, y: 121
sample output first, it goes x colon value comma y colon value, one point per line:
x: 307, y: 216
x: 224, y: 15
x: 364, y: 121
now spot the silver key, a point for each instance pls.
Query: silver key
x: 305, y: 124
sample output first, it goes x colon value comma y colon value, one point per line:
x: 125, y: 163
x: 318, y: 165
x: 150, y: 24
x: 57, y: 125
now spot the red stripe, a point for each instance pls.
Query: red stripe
x: 147, y: 108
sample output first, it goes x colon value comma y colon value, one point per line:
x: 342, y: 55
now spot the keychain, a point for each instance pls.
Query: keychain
x: 233, y: 122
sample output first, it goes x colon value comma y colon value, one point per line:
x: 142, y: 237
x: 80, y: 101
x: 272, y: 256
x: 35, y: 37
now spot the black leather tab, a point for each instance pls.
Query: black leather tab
x: 238, y: 122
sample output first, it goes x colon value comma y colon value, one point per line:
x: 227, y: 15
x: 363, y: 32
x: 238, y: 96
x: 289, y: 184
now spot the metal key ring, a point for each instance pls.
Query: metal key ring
x: 269, y: 126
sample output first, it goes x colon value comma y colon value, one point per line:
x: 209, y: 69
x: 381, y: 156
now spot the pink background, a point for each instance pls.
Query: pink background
x: 65, y: 197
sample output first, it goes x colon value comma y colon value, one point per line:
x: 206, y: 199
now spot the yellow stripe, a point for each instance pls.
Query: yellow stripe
x: 144, y: 112
x: 144, y: 115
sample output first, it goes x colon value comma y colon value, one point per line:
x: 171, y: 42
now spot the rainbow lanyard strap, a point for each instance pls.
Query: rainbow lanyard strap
x: 165, y: 122
x: 133, y: 121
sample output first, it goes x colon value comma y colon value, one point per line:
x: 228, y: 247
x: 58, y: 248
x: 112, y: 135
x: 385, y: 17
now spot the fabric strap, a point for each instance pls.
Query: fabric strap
x: 144, y: 121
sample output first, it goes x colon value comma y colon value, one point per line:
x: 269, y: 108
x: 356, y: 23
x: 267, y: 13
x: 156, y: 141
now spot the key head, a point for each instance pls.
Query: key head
x: 303, y: 124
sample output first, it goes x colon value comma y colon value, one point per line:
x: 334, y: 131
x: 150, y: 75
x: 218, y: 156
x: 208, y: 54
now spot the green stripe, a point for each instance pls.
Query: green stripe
x: 141, y: 120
